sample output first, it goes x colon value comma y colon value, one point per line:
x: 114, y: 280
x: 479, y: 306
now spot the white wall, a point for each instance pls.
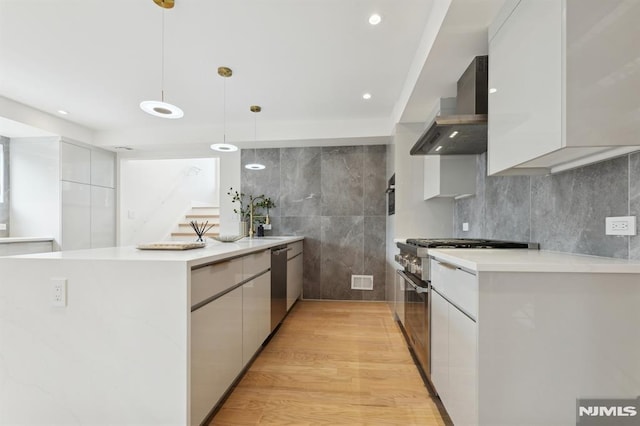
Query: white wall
x: 230, y: 168
x: 155, y: 194
x: 415, y: 217
x: 35, y: 188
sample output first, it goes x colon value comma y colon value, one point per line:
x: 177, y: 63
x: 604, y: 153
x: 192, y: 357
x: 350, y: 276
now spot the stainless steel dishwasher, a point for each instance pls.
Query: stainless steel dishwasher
x: 278, y: 285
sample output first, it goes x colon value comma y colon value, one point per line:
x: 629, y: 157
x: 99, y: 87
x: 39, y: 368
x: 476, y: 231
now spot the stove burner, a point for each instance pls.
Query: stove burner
x: 465, y: 243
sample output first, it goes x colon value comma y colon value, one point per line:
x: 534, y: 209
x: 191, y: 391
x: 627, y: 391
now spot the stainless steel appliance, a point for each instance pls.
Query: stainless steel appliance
x: 465, y: 132
x: 414, y: 258
x: 278, y: 285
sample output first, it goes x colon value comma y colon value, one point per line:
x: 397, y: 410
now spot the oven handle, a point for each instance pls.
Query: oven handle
x: 418, y: 289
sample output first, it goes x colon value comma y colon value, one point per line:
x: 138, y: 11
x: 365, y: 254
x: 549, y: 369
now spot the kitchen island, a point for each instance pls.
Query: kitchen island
x: 519, y: 336
x: 104, y: 336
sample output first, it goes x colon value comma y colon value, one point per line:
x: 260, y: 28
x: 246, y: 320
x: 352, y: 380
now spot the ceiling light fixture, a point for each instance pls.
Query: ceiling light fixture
x: 493, y: 90
x: 225, y: 73
x: 255, y: 109
x: 438, y: 148
x: 366, y: 96
x: 375, y: 19
x: 62, y: 112
x: 453, y: 134
x: 161, y: 108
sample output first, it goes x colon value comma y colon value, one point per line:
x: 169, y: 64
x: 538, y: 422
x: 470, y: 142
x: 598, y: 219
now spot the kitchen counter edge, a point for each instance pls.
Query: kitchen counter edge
x: 516, y: 260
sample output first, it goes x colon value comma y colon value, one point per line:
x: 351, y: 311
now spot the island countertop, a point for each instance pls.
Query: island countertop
x: 517, y: 260
x: 212, y: 252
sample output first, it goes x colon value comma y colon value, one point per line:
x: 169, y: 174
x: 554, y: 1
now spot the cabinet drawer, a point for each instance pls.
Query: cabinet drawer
x: 458, y: 286
x: 213, y: 279
x: 255, y: 263
x: 296, y: 248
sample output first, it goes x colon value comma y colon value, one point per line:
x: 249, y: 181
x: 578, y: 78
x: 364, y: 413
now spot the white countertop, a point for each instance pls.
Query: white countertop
x: 212, y: 252
x: 9, y: 240
x: 513, y: 260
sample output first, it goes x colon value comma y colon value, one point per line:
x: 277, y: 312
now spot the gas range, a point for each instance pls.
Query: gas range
x: 414, y: 253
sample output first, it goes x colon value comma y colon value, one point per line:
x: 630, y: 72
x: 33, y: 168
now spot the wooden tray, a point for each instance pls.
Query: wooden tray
x: 170, y: 245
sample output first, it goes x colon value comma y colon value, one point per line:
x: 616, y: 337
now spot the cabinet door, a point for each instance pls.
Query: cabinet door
x: 216, y: 351
x: 103, y: 217
x: 263, y: 318
x: 75, y: 163
x: 250, y: 308
x: 462, y: 401
x: 103, y: 166
x: 525, y: 81
x: 399, y: 297
x: 294, y: 280
x: 440, y: 345
x: 76, y: 216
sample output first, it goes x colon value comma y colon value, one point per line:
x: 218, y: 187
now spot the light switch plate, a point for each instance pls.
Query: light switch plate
x: 3, y: 226
x: 465, y: 226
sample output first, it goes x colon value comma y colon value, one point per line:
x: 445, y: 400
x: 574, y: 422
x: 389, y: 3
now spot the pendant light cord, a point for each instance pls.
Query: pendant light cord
x: 162, y: 56
x: 224, y: 111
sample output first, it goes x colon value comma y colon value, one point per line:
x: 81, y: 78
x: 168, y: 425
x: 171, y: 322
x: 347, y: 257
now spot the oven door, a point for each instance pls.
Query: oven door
x: 417, y: 318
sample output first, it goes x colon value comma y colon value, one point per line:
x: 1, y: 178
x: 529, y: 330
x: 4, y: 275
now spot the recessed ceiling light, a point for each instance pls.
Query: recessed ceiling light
x: 224, y: 147
x: 62, y: 112
x: 123, y: 148
x: 439, y: 148
x: 161, y: 109
x: 493, y: 90
x: 453, y: 134
x: 255, y: 166
x: 366, y: 96
x: 375, y: 19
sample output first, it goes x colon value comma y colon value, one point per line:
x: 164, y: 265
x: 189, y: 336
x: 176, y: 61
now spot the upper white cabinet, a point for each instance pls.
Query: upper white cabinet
x: 563, y: 91
x: 103, y: 168
x: 75, y: 163
x: 449, y: 175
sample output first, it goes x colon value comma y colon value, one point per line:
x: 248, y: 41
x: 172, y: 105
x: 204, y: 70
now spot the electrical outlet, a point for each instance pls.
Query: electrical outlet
x: 620, y: 225
x: 59, y: 292
x: 465, y: 226
x: 3, y: 226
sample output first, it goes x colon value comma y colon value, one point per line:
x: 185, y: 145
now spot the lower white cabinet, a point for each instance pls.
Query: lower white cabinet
x: 294, y: 273
x: 440, y: 344
x: 454, y: 341
x: 216, y: 351
x: 256, y: 314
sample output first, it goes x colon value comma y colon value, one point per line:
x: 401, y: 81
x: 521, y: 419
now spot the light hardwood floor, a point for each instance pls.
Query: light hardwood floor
x: 333, y: 363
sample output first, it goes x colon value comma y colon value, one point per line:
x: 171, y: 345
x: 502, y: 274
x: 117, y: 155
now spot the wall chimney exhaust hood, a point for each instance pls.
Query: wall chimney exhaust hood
x: 465, y: 132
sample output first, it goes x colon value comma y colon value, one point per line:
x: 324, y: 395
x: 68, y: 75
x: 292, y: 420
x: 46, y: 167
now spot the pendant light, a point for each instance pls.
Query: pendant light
x: 255, y: 166
x: 161, y: 108
x: 225, y: 73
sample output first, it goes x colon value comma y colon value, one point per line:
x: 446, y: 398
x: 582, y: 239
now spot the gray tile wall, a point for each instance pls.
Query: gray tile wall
x: 335, y: 197
x: 4, y: 206
x: 563, y: 212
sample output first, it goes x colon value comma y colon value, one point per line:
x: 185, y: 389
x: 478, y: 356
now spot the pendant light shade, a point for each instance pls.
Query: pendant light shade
x: 255, y: 166
x: 161, y: 108
x: 225, y: 73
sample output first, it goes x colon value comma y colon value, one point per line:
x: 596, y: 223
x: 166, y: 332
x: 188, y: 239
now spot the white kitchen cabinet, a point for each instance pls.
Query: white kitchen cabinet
x: 216, y: 351
x: 560, y: 87
x: 103, y: 168
x: 256, y: 314
x: 454, y: 336
x: 103, y: 217
x: 449, y: 175
x: 75, y: 163
x: 399, y: 288
x: 294, y: 273
x: 76, y: 216
x: 440, y: 344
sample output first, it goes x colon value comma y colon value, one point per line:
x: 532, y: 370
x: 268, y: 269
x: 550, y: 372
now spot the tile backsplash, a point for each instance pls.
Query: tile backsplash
x: 335, y: 197
x: 563, y: 212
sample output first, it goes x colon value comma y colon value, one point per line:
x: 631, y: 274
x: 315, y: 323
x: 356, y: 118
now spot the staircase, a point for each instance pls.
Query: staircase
x: 183, y: 230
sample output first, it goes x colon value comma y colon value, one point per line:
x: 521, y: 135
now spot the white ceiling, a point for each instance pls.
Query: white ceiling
x: 306, y: 62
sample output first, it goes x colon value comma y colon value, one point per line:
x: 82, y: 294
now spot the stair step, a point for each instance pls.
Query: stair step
x: 202, y: 216
x: 204, y: 207
x: 193, y: 234
x: 188, y: 225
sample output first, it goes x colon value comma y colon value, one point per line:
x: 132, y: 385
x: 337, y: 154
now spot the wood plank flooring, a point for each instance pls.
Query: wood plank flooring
x: 333, y: 363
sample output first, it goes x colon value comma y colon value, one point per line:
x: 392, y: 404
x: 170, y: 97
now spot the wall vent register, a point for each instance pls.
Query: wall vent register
x: 362, y: 282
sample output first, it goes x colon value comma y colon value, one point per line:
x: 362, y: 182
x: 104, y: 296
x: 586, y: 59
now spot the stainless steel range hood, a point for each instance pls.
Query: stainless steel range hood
x: 465, y: 132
